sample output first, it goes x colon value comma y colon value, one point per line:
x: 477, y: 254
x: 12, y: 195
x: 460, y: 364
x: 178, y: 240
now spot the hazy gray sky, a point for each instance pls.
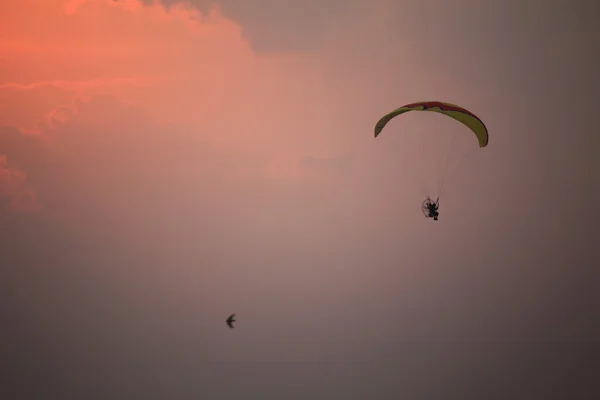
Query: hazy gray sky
x: 163, y: 167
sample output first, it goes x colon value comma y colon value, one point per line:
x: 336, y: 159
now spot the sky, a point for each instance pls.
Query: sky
x: 165, y: 164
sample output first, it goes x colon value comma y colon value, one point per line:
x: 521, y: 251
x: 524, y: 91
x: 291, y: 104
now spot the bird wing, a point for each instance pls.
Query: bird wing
x: 230, y: 320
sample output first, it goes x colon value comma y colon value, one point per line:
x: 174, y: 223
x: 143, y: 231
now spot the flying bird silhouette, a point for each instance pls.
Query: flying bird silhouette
x: 230, y: 320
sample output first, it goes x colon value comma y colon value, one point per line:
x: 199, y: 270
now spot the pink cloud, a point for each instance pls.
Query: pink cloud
x: 78, y: 85
x: 15, y: 189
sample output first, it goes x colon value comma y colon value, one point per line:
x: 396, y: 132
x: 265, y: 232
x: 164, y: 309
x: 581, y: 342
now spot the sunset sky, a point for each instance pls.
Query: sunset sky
x: 164, y: 164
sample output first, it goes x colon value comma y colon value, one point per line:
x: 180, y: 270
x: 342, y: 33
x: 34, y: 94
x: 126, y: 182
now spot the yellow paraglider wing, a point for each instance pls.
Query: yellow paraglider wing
x: 460, y: 114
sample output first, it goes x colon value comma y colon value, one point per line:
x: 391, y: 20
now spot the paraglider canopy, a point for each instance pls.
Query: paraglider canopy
x: 458, y: 113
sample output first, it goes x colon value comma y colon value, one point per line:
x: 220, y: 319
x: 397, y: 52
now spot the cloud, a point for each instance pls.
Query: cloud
x: 24, y: 163
x: 102, y: 160
x: 274, y: 27
x: 74, y: 85
x: 15, y: 193
x: 177, y: 102
x: 242, y: 178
